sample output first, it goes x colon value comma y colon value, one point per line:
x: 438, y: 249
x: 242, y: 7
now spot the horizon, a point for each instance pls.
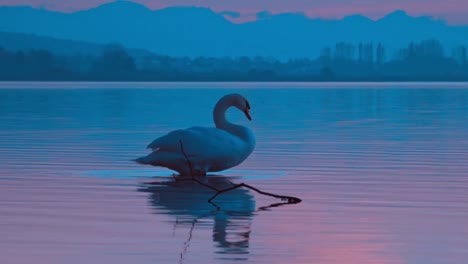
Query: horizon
x: 331, y: 48
x: 336, y: 12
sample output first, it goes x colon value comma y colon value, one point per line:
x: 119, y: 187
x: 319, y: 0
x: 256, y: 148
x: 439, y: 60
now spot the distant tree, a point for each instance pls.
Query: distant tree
x: 411, y: 52
x: 380, y: 54
x: 262, y: 75
x: 360, y: 53
x: 114, y: 64
x: 5, y: 58
x: 327, y: 74
x: 459, y: 55
x: 432, y: 48
x: 463, y: 56
x: 368, y: 51
x: 417, y: 61
x: 344, y: 51
x: 426, y: 50
x: 244, y: 63
x: 325, y: 56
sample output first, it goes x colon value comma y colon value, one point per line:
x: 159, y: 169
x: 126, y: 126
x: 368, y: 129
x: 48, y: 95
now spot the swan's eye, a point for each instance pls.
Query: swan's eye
x: 247, y: 104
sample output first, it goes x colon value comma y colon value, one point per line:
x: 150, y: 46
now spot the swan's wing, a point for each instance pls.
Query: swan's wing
x: 197, y: 141
x: 169, y: 142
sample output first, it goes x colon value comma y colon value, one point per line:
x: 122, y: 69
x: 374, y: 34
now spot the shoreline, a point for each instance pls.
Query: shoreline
x: 217, y: 85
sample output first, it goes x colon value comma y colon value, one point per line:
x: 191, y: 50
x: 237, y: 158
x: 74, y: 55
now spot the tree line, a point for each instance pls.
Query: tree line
x: 423, y: 61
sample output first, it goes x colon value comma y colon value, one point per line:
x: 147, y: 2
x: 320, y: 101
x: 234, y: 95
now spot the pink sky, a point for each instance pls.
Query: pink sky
x: 453, y: 11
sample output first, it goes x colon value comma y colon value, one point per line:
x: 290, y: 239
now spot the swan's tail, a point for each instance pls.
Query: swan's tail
x: 150, y: 159
x: 140, y: 160
x: 173, y: 161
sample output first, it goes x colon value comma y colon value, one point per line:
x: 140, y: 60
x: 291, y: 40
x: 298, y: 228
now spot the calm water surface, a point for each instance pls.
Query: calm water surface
x: 383, y: 174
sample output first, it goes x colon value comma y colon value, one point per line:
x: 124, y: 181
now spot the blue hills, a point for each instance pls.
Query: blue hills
x: 193, y: 31
x: 62, y: 47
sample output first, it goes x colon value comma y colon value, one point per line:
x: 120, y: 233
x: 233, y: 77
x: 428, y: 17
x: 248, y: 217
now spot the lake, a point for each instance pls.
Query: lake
x: 382, y: 171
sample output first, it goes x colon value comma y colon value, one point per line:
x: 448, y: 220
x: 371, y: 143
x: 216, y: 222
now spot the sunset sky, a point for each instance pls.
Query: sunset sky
x: 455, y: 12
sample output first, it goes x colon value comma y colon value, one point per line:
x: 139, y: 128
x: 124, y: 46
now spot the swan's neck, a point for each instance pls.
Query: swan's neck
x: 219, y: 114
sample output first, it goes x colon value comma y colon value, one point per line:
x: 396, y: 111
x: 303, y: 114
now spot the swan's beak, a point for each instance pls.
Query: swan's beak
x: 247, y: 114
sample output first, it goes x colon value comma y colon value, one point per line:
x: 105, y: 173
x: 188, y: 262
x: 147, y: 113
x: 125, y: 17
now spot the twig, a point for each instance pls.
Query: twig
x: 187, y: 243
x: 186, y: 157
x: 265, y: 208
x: 289, y: 199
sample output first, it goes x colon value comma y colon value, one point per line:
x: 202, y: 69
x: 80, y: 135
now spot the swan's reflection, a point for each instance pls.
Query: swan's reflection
x: 187, y: 201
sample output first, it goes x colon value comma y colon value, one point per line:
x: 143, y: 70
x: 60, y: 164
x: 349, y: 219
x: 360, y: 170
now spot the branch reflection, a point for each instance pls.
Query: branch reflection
x: 187, y: 202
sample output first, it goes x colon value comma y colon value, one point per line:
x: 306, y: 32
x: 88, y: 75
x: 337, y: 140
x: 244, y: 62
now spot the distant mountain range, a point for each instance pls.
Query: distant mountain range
x: 192, y: 31
x: 24, y: 41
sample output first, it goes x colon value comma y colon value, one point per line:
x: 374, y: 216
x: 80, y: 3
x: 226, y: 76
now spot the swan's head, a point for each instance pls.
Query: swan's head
x: 236, y: 100
x: 242, y: 104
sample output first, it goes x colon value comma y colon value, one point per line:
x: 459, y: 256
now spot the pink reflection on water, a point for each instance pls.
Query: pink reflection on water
x: 331, y: 235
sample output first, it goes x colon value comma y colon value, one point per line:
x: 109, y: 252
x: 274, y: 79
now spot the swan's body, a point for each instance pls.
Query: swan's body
x: 208, y: 149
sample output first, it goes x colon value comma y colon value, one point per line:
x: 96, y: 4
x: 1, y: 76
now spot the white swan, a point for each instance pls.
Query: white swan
x: 208, y: 149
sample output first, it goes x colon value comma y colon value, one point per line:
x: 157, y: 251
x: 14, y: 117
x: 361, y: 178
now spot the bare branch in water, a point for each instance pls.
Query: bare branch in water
x: 186, y: 157
x: 288, y: 199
